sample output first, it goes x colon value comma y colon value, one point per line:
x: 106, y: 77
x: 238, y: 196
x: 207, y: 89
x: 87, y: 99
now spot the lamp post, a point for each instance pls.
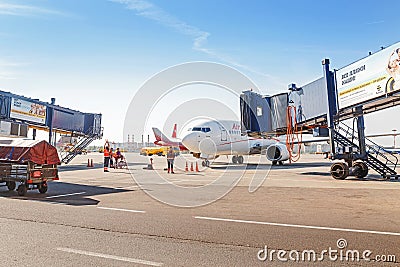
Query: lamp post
x: 394, y: 137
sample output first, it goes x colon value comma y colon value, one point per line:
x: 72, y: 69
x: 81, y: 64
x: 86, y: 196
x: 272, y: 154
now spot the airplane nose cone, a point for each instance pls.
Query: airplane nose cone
x: 191, y: 142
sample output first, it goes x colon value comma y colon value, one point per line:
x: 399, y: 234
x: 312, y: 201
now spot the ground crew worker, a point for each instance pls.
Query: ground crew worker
x: 106, y: 156
x: 117, y: 156
x: 112, y: 158
x: 170, y: 160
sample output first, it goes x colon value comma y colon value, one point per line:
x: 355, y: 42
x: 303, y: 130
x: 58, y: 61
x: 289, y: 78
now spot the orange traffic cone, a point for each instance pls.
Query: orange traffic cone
x: 191, y: 167
x: 197, y: 167
x: 91, y: 163
x: 88, y: 163
x: 186, y: 168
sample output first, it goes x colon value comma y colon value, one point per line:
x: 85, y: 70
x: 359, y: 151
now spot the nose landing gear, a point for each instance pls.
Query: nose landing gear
x: 205, y: 163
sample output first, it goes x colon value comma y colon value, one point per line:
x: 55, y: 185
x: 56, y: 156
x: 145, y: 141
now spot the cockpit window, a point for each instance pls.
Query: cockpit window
x: 199, y: 129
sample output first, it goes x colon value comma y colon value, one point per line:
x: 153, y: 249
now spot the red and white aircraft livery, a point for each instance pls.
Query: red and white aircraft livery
x: 210, y: 139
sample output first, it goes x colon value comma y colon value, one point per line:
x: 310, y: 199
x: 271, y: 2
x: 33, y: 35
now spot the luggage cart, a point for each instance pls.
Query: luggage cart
x: 29, y: 164
x: 28, y: 176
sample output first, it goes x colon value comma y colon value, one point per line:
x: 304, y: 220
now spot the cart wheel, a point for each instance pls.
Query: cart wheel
x: 339, y: 170
x: 22, y: 190
x: 11, y: 185
x: 43, y: 188
x: 363, y: 169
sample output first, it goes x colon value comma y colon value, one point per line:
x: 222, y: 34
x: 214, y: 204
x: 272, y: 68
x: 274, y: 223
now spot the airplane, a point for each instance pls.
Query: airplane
x: 211, y: 139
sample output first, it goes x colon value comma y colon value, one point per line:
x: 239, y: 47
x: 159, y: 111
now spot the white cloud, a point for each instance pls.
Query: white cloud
x: 7, y: 67
x: 375, y: 22
x: 25, y: 10
x: 7, y: 76
x: 150, y: 11
x: 199, y: 37
x: 4, y: 63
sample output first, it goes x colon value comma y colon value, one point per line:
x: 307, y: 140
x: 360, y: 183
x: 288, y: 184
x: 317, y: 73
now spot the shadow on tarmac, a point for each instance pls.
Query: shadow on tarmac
x: 75, y: 194
x: 370, y: 177
x: 251, y: 166
x: 82, y: 167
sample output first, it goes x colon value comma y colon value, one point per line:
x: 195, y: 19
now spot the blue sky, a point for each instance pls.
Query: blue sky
x: 93, y: 55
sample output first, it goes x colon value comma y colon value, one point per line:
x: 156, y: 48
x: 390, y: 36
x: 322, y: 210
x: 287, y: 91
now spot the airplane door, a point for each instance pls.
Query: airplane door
x: 224, y: 135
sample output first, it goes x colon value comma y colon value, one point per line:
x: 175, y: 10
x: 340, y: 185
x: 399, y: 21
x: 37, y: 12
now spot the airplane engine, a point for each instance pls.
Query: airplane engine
x: 277, y: 152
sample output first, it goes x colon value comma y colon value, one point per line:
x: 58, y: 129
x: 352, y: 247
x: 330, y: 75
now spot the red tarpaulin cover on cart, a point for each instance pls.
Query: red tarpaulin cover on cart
x: 22, y: 151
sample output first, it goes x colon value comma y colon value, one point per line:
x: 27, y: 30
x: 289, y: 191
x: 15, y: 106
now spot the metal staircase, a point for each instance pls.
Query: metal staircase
x: 89, y: 137
x: 377, y: 158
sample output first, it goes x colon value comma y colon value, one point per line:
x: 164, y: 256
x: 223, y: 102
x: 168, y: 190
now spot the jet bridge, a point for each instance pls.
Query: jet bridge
x: 19, y: 113
x: 321, y: 107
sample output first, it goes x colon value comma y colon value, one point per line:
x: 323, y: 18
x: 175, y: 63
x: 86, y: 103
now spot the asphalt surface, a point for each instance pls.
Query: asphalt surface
x: 140, y: 217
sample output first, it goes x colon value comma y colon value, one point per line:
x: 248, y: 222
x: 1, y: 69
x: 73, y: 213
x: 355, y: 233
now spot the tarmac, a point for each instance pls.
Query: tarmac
x: 225, y: 215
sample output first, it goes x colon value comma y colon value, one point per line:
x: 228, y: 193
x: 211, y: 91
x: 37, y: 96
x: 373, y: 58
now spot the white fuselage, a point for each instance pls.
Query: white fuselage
x: 214, y: 138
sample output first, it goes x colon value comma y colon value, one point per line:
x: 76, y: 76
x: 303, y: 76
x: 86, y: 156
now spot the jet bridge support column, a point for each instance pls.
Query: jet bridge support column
x: 361, y: 133
x: 50, y: 120
x: 332, y: 104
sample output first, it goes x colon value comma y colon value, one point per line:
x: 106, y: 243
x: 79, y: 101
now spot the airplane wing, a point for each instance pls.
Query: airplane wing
x: 305, y: 140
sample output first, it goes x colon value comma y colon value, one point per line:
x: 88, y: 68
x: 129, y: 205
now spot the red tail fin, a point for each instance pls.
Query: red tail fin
x: 174, y: 131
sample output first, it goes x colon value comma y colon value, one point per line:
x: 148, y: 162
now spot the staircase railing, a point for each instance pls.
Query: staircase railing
x: 89, y: 137
x: 372, y: 147
x: 381, y: 158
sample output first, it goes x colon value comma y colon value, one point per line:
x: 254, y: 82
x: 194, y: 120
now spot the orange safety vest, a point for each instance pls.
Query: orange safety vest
x: 106, y: 152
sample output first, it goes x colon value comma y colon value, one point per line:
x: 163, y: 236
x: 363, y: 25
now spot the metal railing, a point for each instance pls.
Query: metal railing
x: 372, y: 148
x: 89, y: 137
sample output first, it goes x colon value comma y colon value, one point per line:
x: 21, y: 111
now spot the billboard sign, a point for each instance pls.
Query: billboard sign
x: 27, y: 111
x: 369, y: 78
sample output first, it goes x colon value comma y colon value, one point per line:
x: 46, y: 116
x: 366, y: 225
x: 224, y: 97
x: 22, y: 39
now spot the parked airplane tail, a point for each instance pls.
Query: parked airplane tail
x: 160, y: 136
x: 174, y: 131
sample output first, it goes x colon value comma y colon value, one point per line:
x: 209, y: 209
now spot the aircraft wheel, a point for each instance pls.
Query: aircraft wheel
x: 234, y: 160
x: 274, y: 162
x: 240, y: 159
x: 339, y: 170
x: 280, y: 163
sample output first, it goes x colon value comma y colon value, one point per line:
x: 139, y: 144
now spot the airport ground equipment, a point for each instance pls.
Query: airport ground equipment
x: 158, y: 150
x: 84, y: 142
x: 29, y: 164
x: 19, y: 113
x: 333, y: 107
